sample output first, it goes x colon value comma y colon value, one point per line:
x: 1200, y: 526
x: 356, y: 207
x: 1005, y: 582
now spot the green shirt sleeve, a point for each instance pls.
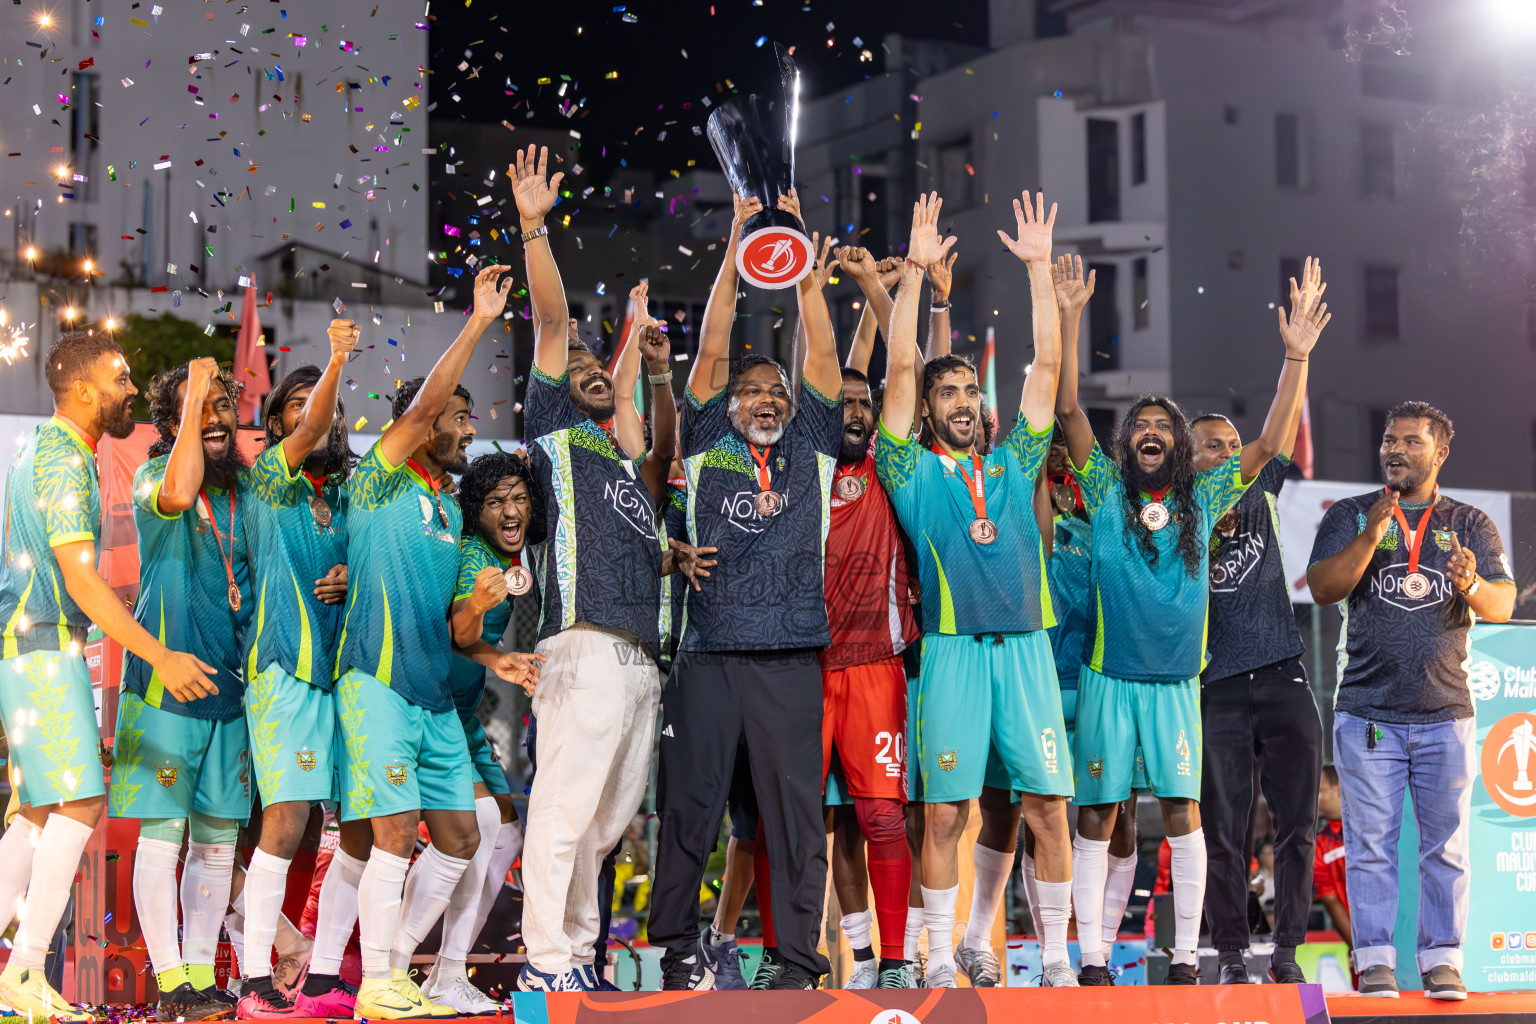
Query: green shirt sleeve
x: 62, y: 480
x: 271, y: 482
x: 473, y: 557
x: 146, y: 486
x: 896, y: 462
x: 1219, y: 488
x: 1029, y: 446
x: 1097, y: 479
x: 375, y: 483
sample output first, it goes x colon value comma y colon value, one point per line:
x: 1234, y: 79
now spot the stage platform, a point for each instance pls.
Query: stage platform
x: 1205, y: 1004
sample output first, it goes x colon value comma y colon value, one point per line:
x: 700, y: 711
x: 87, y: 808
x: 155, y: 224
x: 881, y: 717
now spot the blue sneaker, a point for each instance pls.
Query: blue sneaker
x: 594, y: 983
x: 725, y: 961
x: 534, y: 980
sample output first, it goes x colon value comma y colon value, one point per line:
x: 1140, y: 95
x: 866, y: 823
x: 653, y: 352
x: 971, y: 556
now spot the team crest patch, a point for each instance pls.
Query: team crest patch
x: 995, y: 471
x: 395, y: 773
x: 1096, y: 767
x: 948, y: 759
x: 1443, y: 540
x: 306, y: 759
x: 166, y: 776
x: 1141, y: 763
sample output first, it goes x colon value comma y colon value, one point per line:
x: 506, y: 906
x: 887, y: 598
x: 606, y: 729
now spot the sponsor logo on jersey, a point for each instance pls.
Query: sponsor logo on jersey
x: 1388, y: 585
x: 1235, y: 559
x: 1048, y: 748
x: 625, y: 499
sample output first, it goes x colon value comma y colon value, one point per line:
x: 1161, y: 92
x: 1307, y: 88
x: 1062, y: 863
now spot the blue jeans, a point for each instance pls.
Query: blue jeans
x: 1435, y: 762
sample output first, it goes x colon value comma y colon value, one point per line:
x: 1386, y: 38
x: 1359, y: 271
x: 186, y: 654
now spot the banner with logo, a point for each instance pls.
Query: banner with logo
x: 1302, y: 503
x: 1501, y: 928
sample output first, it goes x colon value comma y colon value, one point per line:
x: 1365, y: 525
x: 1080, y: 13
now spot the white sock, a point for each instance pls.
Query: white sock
x: 509, y: 843
x: 911, y: 945
x: 857, y: 927
x: 53, y: 876
x: 337, y: 912
x: 290, y: 941
x: 1090, y: 870
x: 1117, y: 894
x: 206, y: 878
x: 1031, y: 893
x: 1055, y: 912
x: 464, y: 904
x: 16, y: 847
x: 379, y: 892
x: 234, y: 923
x: 427, y: 891
x: 154, y: 900
x: 266, y: 882
x: 446, y: 970
x: 939, y: 916
x: 992, y: 867
x: 1187, y: 865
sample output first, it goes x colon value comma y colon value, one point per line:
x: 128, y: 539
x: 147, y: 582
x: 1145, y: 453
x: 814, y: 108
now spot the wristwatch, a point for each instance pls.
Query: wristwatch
x: 542, y: 229
x: 660, y: 378
x: 1477, y: 581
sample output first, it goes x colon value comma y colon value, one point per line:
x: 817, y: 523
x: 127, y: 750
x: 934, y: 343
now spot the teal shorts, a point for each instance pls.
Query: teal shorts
x: 293, y: 737
x: 49, y: 715
x: 485, y: 761
x: 1123, y: 726
x: 166, y: 765
x: 397, y: 756
x: 914, y: 776
x: 989, y: 714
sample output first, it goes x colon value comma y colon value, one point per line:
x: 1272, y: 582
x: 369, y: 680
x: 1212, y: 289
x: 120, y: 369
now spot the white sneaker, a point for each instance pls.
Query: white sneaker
x: 940, y: 976
x: 458, y: 993
x: 979, y: 965
x: 866, y: 974
x: 1059, y: 975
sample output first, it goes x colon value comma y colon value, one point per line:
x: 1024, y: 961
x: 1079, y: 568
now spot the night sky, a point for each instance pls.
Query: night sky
x: 668, y: 55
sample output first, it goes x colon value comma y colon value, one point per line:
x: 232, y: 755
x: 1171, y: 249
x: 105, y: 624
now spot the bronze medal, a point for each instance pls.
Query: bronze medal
x: 519, y: 580
x: 441, y: 512
x: 850, y: 488
x: 321, y: 511
x: 234, y: 597
x: 983, y: 531
x: 1415, y: 585
x: 1227, y: 524
x: 1063, y: 498
x: 1154, y: 515
x: 768, y: 503
x: 1218, y: 574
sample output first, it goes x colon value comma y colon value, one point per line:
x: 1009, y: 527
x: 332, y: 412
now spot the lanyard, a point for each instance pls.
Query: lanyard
x: 764, y: 478
x: 975, y: 481
x: 431, y: 483
x: 1156, y: 496
x: 1416, y: 538
x: 317, y: 481
x: 229, y: 559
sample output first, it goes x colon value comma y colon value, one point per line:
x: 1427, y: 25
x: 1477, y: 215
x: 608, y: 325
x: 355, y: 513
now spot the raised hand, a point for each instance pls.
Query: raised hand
x: 640, y: 297
x: 655, y: 348
x: 823, y: 269
x: 343, y: 335
x: 889, y: 270
x: 1379, y: 518
x: 790, y: 204
x: 490, y: 589
x: 1461, y: 566
x: 1034, y: 242
x: 1312, y: 285
x: 1073, y: 290
x: 940, y: 277
x: 924, y: 247
x: 1300, y: 330
x: 201, y: 373
x: 490, y: 299
x: 743, y: 209
x: 534, y: 195
x: 858, y: 262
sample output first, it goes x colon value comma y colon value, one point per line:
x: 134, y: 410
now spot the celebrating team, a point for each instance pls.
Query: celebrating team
x: 1060, y: 592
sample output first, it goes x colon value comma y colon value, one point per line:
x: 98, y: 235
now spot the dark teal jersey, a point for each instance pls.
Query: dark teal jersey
x: 184, y: 590
x: 402, y: 563
x: 51, y: 499
x: 290, y: 550
x: 1150, y: 620
x: 467, y: 679
x: 1070, y: 576
x: 971, y: 588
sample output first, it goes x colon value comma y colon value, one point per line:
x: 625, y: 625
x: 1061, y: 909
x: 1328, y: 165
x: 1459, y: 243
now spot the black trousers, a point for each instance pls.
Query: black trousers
x: 709, y: 705
x: 1265, y: 720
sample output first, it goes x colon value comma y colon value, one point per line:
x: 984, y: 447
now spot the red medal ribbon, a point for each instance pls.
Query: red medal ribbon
x: 426, y: 477
x: 764, y: 478
x: 1156, y: 496
x: 229, y: 559
x: 1071, y: 481
x: 316, y: 480
x: 1416, y: 539
x: 975, y: 482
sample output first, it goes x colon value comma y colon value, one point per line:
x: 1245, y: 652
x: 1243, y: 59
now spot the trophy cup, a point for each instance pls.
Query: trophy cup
x: 754, y: 139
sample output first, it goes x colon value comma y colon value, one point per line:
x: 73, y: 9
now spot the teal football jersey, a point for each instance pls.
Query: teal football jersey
x: 402, y: 563
x: 467, y: 679
x: 184, y: 589
x: 971, y: 588
x: 1150, y: 621
x: 291, y: 547
x: 51, y: 499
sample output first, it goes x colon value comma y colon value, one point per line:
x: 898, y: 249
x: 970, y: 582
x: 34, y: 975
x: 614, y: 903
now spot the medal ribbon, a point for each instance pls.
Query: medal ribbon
x: 975, y: 482
x: 317, y: 481
x: 764, y: 478
x: 1071, y: 481
x: 432, y: 483
x: 229, y: 559
x: 1156, y: 496
x: 1417, y: 536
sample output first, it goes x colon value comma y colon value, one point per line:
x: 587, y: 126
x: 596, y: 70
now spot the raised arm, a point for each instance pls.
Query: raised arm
x: 402, y: 436
x: 863, y: 346
x: 712, y: 366
x: 1033, y: 246
x: 1303, y: 297
x: 899, y: 409
x: 1299, y: 331
x: 314, y: 424
x: 184, y: 469
x: 627, y: 423
x: 535, y: 197
x: 656, y: 350
x: 940, y: 276
x: 1072, y: 294
x: 468, y: 615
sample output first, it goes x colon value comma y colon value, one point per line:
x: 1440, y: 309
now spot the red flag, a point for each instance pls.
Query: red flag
x: 1302, y: 453
x: 251, y: 362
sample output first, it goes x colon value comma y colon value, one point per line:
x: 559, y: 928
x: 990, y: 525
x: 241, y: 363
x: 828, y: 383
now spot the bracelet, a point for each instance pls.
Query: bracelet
x: 1477, y: 581
x: 1293, y: 359
x: 660, y: 378
x: 538, y: 232
x: 939, y: 306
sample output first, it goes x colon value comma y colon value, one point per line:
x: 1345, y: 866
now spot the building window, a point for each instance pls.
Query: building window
x: 1103, y: 169
x: 1139, y: 149
x: 1291, y: 152
x: 957, y: 174
x: 84, y: 128
x: 1104, y: 319
x: 1381, y: 319
x: 1290, y: 267
x: 1141, y: 295
x: 1378, y: 161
